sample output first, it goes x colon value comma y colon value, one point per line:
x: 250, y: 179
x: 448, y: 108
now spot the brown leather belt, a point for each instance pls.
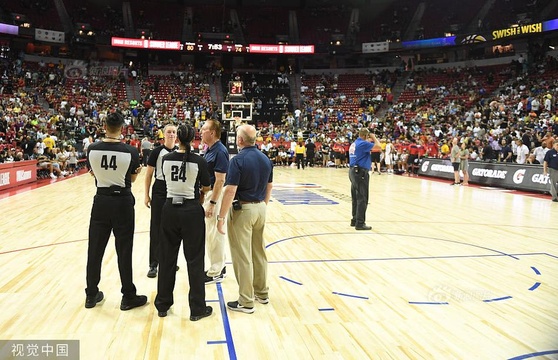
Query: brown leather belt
x: 249, y: 202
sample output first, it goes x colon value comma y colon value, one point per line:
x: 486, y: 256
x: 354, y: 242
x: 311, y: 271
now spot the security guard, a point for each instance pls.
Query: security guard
x: 360, y: 162
x: 158, y: 193
x: 183, y: 218
x: 115, y: 165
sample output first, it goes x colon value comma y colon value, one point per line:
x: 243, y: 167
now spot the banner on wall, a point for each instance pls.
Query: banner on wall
x: 50, y: 36
x: 375, y: 47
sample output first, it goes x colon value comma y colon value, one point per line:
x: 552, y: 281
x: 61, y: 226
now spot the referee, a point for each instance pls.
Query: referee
x: 115, y: 165
x: 158, y: 193
x: 183, y: 220
x: 550, y: 166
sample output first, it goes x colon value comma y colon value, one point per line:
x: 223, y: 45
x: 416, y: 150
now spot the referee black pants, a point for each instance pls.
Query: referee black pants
x: 116, y: 214
x: 158, y: 198
x: 182, y: 223
x: 360, y: 180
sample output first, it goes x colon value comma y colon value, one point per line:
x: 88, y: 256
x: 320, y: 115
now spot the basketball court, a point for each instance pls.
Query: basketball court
x: 447, y: 272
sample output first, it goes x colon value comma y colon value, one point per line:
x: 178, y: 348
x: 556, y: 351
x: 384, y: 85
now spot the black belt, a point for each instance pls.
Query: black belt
x: 250, y: 202
x: 114, y: 191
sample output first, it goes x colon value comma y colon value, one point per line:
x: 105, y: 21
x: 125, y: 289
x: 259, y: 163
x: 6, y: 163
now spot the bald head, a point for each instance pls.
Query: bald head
x: 247, y: 134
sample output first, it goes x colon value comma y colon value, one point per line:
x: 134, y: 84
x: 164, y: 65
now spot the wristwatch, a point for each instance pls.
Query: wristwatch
x: 213, y: 202
x: 219, y: 218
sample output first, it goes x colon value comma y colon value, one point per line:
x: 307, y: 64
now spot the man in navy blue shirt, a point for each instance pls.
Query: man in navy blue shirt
x: 550, y: 166
x: 249, y: 181
x: 217, y: 158
x: 360, y: 162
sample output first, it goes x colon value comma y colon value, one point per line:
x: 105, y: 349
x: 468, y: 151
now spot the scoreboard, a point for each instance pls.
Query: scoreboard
x: 211, y: 47
x: 236, y: 88
x: 215, y: 47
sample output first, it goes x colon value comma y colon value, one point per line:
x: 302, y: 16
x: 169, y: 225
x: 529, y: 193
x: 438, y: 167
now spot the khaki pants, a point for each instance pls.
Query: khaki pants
x: 245, y: 229
x: 214, y: 241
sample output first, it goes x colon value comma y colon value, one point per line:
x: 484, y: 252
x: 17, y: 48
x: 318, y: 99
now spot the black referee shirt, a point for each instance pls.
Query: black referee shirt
x: 112, y: 163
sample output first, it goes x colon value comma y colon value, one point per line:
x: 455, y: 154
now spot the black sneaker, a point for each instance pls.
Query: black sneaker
x: 353, y: 223
x: 152, y: 272
x: 128, y: 304
x: 363, y: 227
x: 208, y: 311
x: 91, y: 301
x: 162, y: 313
x: 215, y: 279
x: 235, y: 306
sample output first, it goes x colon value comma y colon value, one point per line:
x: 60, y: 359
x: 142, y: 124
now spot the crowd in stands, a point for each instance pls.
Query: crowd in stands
x: 497, y: 112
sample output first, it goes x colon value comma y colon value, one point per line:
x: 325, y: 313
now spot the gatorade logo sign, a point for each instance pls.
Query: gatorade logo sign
x: 518, y: 176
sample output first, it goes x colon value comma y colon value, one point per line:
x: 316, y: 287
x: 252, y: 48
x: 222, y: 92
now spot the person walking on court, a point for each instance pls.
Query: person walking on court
x: 115, y: 166
x: 300, y: 151
x: 182, y: 221
x: 550, y: 167
x: 158, y: 194
x: 360, y: 162
x: 249, y: 181
x: 217, y: 158
x: 455, y: 161
x: 464, y: 162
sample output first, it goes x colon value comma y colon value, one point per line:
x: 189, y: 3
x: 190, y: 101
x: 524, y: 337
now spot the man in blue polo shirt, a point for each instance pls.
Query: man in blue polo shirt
x: 550, y: 166
x: 217, y: 158
x: 360, y: 162
x: 248, y: 181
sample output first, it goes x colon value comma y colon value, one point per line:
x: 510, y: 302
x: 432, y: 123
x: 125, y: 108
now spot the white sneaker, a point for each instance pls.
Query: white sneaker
x: 52, y: 176
x: 64, y: 173
x: 262, y: 300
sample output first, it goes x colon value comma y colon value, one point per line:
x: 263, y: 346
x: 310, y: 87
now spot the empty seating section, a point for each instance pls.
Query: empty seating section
x: 211, y: 18
x: 164, y: 22
x: 442, y: 17
x: 105, y: 20
x: 317, y: 25
x: 41, y: 13
x: 385, y: 21
x: 261, y: 24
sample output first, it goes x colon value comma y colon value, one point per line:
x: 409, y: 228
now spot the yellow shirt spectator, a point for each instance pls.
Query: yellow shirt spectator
x: 49, y: 142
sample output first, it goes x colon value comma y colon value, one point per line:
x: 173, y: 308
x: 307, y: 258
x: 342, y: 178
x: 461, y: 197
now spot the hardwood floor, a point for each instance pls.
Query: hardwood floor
x: 446, y: 273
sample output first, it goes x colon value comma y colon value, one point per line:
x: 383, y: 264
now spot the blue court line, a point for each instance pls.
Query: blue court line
x: 326, y: 309
x: 287, y: 279
x: 392, y: 234
x: 498, y: 299
x: 349, y: 295
x: 427, y: 303
x: 536, y: 285
x: 535, y: 270
x: 388, y: 259
x: 217, y: 300
x: 226, y: 324
x: 535, y: 354
x: 216, y: 342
